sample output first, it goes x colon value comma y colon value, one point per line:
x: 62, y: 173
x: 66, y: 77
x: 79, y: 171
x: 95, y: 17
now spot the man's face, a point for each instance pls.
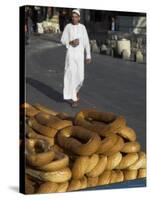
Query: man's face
x: 75, y: 18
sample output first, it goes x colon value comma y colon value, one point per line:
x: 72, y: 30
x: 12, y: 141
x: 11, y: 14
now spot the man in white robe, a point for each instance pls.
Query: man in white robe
x: 76, y: 40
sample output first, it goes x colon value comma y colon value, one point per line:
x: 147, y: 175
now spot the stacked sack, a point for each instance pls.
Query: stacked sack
x: 66, y: 153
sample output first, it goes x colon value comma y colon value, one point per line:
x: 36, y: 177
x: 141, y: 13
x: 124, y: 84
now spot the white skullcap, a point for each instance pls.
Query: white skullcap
x: 76, y: 11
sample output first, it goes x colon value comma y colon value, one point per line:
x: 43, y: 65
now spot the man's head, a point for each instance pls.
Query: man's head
x: 75, y: 16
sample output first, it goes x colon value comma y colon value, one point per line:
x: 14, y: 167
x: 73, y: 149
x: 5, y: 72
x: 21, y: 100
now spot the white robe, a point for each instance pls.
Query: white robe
x: 74, y: 62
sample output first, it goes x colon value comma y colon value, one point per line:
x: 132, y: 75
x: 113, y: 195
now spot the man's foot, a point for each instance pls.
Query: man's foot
x: 75, y: 104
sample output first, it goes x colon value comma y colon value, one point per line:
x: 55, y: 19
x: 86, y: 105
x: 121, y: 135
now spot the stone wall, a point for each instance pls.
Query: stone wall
x: 108, y: 45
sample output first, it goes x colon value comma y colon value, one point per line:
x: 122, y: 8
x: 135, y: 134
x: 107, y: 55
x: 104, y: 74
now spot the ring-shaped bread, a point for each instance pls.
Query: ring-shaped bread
x: 38, y: 152
x: 78, y: 140
x: 57, y: 176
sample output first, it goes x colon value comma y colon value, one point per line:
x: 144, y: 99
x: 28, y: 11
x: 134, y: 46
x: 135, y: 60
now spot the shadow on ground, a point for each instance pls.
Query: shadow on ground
x: 46, y: 89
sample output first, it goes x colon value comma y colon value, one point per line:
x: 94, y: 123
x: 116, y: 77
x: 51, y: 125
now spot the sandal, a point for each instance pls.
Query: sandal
x: 75, y: 104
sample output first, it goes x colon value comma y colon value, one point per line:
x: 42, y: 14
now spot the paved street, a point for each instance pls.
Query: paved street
x: 111, y: 84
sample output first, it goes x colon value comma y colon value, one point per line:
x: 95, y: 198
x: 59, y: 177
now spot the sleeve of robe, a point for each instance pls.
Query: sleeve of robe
x: 65, y: 37
x: 87, y: 44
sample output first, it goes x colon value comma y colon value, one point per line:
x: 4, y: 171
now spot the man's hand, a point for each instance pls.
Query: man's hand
x: 88, y: 60
x: 74, y: 43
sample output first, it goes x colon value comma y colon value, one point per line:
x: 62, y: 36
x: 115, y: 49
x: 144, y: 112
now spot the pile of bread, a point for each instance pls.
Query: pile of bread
x: 65, y: 153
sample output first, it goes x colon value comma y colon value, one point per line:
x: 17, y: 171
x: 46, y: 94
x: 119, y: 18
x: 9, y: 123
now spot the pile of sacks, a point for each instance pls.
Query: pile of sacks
x: 65, y: 153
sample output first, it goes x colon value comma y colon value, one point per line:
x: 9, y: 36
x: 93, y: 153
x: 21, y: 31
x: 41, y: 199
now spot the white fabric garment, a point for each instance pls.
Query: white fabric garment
x: 74, y: 62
